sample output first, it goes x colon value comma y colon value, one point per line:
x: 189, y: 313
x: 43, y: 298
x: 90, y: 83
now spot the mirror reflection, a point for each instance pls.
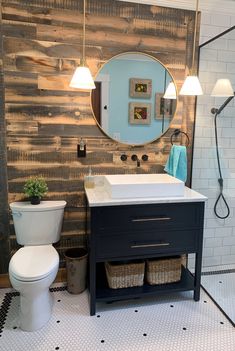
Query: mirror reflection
x: 128, y: 101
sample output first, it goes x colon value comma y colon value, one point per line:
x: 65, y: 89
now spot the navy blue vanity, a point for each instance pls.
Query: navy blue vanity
x: 126, y: 229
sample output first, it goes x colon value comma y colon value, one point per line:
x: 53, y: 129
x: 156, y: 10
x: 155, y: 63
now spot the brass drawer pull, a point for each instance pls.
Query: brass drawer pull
x: 151, y: 219
x: 149, y: 245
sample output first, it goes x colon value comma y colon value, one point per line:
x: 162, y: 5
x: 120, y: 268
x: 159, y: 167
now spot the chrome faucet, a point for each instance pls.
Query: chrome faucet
x: 135, y: 158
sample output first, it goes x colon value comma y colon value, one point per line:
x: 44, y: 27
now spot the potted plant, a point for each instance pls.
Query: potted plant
x: 35, y: 188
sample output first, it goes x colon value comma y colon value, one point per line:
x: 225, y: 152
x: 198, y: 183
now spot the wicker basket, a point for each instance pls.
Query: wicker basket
x: 163, y: 270
x: 125, y: 275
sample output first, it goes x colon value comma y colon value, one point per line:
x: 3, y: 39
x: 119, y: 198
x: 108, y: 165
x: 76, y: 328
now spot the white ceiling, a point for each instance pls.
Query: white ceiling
x: 216, y: 6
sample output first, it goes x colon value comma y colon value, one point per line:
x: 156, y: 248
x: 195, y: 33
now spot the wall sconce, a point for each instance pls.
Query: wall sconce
x: 82, y: 78
x: 191, y: 85
x: 222, y: 88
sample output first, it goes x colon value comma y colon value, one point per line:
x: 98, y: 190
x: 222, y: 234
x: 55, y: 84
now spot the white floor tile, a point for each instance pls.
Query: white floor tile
x: 221, y: 288
x: 169, y: 323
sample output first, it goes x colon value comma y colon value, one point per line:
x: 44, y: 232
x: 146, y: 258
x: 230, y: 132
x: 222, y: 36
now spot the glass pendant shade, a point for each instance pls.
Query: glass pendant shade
x: 82, y: 79
x: 191, y: 87
x: 170, y: 91
x: 222, y: 88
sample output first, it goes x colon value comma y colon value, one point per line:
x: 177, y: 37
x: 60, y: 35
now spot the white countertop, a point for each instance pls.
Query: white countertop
x: 98, y: 196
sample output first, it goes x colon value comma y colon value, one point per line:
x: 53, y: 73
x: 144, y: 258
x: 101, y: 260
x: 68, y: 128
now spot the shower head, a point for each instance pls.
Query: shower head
x: 217, y: 111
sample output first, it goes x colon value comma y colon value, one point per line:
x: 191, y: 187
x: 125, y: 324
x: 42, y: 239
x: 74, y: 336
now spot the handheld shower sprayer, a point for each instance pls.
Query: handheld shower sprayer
x: 216, y: 112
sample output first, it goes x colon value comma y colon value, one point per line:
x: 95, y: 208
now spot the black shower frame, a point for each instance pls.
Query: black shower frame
x: 199, y: 52
x: 195, y: 108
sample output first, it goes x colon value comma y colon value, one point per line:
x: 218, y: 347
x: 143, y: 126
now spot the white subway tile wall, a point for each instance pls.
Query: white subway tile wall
x: 217, y: 60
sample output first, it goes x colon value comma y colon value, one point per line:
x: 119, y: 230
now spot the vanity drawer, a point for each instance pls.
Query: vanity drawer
x: 142, y: 217
x: 145, y: 243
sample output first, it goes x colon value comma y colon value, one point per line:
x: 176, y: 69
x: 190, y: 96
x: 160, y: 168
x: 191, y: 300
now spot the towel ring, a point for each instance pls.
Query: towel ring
x: 176, y: 133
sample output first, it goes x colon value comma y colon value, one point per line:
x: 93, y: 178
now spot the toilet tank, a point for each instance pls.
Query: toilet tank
x: 38, y: 224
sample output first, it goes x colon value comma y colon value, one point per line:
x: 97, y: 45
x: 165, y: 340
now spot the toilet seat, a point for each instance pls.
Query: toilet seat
x: 33, y: 263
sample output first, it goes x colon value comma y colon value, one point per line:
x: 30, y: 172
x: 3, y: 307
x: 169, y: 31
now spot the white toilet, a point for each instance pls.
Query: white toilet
x: 33, y: 268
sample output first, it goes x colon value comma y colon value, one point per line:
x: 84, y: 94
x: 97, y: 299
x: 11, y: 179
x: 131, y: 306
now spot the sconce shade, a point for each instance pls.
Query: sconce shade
x: 170, y: 92
x: 222, y: 88
x: 191, y: 86
x: 82, y: 79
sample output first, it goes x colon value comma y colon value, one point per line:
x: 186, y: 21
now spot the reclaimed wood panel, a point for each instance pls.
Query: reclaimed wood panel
x: 113, y: 36
x: 19, y: 29
x: 39, y: 64
x: 45, y: 119
x: 27, y: 95
x: 22, y: 112
x: 21, y: 46
x: 55, y: 82
x: 4, y: 212
x: 45, y: 10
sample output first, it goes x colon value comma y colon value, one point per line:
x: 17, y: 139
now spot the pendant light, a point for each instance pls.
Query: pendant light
x: 191, y: 84
x: 82, y: 78
x: 170, y: 92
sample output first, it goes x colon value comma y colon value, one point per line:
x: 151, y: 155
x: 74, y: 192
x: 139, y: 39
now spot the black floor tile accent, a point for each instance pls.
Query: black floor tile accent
x: 224, y: 271
x: 7, y: 303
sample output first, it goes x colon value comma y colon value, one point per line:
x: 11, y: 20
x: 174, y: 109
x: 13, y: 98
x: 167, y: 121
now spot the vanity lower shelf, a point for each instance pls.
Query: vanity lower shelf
x: 104, y: 293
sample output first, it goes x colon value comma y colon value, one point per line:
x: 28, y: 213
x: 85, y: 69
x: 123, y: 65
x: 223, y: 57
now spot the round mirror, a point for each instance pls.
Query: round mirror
x: 134, y: 101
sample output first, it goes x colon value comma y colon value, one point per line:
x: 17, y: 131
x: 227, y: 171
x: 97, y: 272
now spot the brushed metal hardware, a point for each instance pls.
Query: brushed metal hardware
x: 151, y: 219
x: 149, y: 245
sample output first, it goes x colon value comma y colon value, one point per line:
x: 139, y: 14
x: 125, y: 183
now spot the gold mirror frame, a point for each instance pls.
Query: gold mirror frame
x: 176, y: 105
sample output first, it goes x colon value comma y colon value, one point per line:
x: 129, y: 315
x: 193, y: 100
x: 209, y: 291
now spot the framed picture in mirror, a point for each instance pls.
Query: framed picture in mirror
x: 164, y: 107
x: 139, y: 113
x: 140, y: 88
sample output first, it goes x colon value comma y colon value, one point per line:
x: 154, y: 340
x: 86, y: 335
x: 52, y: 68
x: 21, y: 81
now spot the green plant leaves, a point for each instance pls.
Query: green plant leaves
x: 35, y: 186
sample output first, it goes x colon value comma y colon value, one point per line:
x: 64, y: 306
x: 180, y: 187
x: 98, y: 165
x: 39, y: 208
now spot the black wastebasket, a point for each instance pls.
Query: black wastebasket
x: 76, y: 268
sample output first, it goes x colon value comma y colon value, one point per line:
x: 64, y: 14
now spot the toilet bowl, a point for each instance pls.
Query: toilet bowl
x: 33, y: 268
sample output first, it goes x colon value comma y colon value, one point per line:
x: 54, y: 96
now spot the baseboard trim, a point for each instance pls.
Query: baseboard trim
x: 5, y: 281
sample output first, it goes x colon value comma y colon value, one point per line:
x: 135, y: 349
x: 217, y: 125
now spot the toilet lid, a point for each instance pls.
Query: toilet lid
x: 33, y: 262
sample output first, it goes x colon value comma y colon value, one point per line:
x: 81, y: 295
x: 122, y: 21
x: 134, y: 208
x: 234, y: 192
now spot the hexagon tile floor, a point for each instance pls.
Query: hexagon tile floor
x: 169, y: 323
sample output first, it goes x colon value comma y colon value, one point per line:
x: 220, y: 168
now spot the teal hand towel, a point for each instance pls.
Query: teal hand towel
x: 176, y: 165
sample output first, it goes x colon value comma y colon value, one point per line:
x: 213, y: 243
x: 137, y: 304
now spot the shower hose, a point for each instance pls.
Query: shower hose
x: 220, y: 180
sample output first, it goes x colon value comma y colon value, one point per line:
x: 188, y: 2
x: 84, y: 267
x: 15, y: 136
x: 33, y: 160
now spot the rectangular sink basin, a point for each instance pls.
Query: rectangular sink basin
x: 143, y: 186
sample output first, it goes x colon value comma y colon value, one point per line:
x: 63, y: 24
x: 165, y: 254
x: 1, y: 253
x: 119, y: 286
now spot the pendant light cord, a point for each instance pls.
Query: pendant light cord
x: 194, y: 36
x: 84, y: 33
x: 220, y: 180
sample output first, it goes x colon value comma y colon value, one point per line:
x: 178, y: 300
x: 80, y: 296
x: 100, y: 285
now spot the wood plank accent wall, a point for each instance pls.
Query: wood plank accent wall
x: 4, y: 217
x: 45, y: 118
